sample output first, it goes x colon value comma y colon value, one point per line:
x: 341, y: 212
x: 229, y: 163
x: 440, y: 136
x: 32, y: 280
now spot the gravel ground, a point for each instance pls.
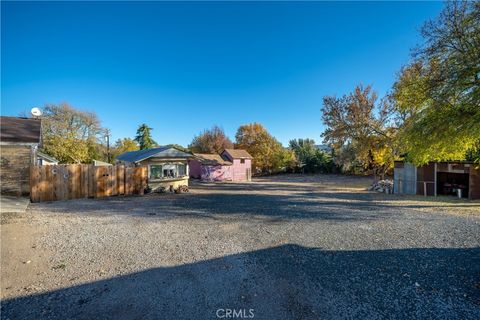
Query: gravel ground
x: 285, y: 247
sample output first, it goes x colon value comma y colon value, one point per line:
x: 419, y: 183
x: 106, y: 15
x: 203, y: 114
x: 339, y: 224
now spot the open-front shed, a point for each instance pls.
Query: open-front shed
x: 210, y: 167
x: 456, y: 178
x: 230, y: 165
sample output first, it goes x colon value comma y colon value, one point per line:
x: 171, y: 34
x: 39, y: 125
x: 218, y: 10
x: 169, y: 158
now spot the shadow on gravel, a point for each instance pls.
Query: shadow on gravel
x: 285, y: 282
x: 254, y: 201
x: 221, y: 206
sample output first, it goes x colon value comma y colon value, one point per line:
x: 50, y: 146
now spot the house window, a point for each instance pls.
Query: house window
x: 168, y: 171
x: 155, y: 172
x: 182, y: 170
x: 242, y: 160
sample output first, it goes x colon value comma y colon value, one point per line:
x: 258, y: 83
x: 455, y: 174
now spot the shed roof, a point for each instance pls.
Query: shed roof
x: 238, y: 153
x: 446, y: 161
x: 160, y: 152
x: 20, y: 130
x: 99, y: 163
x: 46, y: 156
x: 211, y: 159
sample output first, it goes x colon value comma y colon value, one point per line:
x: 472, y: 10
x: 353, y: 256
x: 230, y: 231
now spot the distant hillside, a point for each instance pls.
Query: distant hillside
x: 323, y: 147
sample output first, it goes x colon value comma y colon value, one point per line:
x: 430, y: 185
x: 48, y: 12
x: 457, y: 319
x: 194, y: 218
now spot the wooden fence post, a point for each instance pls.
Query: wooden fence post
x: 120, y: 179
x: 48, y: 185
x: 143, y: 184
x: 91, y: 181
x: 34, y: 180
x: 128, y: 180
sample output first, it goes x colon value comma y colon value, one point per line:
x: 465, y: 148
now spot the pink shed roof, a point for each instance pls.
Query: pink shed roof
x: 238, y: 153
x: 211, y: 159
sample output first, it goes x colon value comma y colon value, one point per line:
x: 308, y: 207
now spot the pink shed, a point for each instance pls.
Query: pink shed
x: 230, y: 165
x: 241, y: 164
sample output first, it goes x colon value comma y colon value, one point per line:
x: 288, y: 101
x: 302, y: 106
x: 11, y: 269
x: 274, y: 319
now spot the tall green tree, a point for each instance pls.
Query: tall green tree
x: 144, y: 138
x: 439, y: 91
x: 310, y: 158
x: 303, y: 148
x: 213, y: 140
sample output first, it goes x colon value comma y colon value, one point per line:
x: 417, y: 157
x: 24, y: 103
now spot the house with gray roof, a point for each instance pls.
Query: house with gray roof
x: 167, y: 165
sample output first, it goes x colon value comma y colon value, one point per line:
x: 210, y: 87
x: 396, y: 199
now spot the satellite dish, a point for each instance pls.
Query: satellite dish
x: 36, y: 112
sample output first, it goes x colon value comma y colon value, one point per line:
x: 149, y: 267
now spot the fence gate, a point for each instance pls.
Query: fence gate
x: 74, y: 181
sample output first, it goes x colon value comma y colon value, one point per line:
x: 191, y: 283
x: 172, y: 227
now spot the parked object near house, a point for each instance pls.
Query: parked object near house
x: 242, y: 163
x: 456, y: 178
x: 210, y: 167
x: 20, y: 139
x: 383, y: 186
x: 167, y: 166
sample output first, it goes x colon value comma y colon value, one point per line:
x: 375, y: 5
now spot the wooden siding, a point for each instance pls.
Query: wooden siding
x: 474, y: 188
x: 426, y: 180
x: 453, y: 167
x: 15, y: 169
x: 62, y: 182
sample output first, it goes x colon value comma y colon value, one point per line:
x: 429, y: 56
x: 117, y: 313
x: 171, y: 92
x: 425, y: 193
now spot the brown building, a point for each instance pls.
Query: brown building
x: 456, y: 178
x: 19, y: 141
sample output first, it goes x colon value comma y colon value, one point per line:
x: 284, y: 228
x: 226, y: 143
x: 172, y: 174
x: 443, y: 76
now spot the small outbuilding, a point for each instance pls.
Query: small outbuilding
x: 167, y: 165
x: 98, y: 163
x: 230, y: 165
x: 456, y: 178
x: 210, y: 167
x: 242, y: 163
x: 44, y: 159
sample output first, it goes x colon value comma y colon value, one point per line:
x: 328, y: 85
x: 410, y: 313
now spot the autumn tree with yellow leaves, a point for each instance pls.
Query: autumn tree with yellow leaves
x: 269, y: 156
x: 361, y: 131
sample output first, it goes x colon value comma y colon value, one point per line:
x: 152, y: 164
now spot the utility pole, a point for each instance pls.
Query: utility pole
x: 107, y: 139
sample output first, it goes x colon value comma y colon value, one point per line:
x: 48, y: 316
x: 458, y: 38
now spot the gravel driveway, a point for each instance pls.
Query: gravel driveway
x: 285, y: 247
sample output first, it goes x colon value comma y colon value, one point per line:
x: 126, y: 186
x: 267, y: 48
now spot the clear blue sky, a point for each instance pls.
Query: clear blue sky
x: 183, y: 67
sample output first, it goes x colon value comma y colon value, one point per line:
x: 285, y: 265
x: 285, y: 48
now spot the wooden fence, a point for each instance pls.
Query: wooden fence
x: 74, y: 181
